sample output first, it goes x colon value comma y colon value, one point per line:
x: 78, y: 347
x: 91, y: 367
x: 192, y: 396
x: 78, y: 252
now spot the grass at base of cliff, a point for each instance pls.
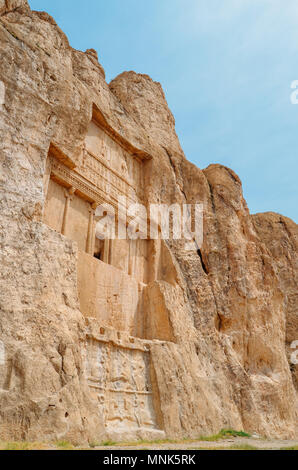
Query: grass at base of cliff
x: 290, y: 448
x: 64, y: 445
x: 103, y: 444
x: 23, y: 445
x: 141, y: 445
x: 224, y: 434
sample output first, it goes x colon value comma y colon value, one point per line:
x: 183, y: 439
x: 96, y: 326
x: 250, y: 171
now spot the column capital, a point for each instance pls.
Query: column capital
x: 92, y: 207
x: 68, y: 193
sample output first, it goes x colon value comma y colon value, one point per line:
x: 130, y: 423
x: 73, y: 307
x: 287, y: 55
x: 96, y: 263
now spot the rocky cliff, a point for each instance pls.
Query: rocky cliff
x: 232, y: 307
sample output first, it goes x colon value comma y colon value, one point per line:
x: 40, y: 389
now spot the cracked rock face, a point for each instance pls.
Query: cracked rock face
x: 228, y: 313
x: 279, y: 234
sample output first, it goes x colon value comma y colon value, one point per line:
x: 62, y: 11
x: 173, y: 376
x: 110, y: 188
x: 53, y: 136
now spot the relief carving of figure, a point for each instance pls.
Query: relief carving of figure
x: 139, y: 372
x: 144, y: 412
x: 129, y: 408
x: 124, y: 169
x: 115, y: 409
x: 120, y: 369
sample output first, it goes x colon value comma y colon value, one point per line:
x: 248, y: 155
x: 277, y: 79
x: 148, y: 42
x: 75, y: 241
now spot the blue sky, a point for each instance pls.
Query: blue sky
x: 226, y: 67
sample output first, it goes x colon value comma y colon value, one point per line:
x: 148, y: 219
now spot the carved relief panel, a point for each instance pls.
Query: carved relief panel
x: 105, y: 158
x: 120, y: 379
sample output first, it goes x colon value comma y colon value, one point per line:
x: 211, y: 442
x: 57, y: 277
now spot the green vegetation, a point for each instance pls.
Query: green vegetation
x: 224, y: 434
x: 16, y: 446
x: 22, y: 446
x: 156, y: 442
x: 65, y: 445
x: 194, y: 444
x: 108, y: 443
x: 290, y: 448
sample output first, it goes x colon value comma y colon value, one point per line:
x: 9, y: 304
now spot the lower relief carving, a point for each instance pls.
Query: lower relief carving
x: 119, y: 378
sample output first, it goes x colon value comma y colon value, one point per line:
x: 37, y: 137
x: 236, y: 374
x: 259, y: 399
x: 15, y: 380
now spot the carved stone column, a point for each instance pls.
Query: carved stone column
x: 91, y: 230
x: 68, y: 193
x: 107, y: 251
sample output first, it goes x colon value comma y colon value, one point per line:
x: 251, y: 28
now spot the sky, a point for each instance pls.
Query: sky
x: 226, y: 67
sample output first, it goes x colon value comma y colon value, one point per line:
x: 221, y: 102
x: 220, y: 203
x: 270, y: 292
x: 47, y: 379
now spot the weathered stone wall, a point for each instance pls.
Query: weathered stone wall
x: 222, y: 314
x: 110, y: 295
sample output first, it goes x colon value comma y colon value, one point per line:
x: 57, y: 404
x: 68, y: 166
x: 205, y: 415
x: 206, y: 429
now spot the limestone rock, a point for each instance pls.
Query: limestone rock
x: 7, y: 6
x: 280, y: 235
x: 145, y: 339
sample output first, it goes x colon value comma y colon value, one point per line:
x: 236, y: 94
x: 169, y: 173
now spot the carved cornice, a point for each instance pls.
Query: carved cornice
x: 99, y: 118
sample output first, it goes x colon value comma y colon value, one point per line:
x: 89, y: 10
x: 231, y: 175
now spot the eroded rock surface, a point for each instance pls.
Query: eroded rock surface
x: 280, y: 235
x: 192, y: 341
